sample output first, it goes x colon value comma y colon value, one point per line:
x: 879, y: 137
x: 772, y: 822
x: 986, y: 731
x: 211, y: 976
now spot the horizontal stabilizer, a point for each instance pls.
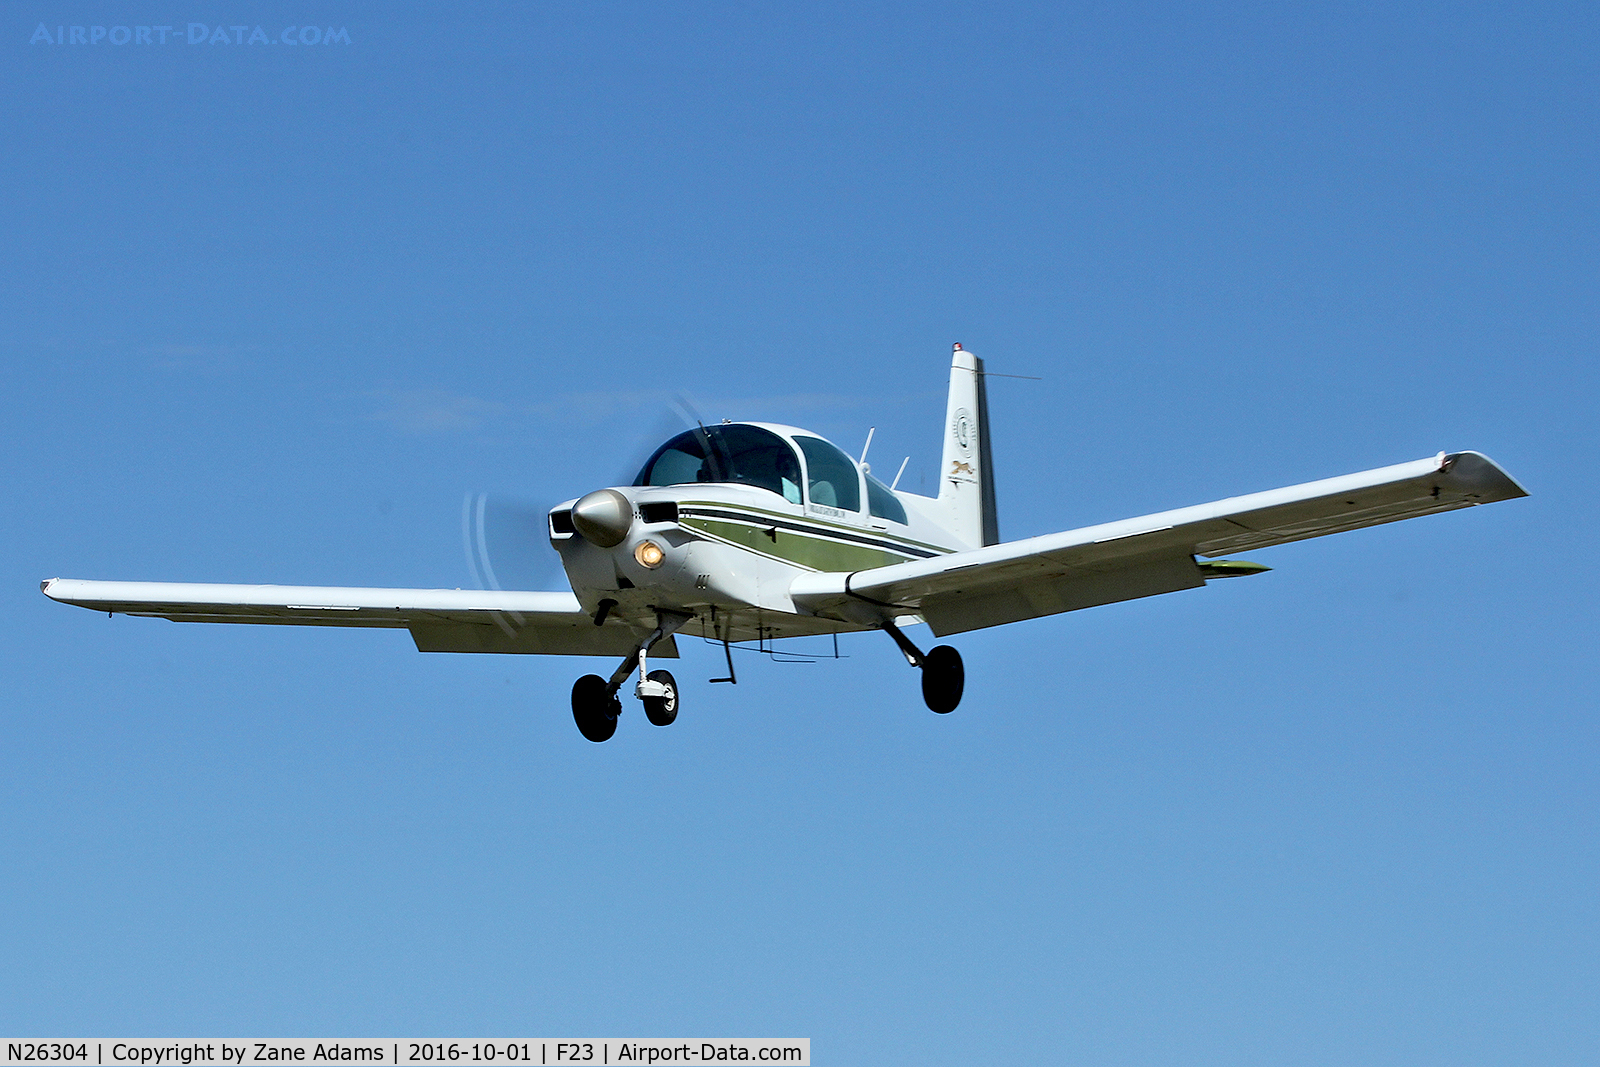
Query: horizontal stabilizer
x: 1230, y: 568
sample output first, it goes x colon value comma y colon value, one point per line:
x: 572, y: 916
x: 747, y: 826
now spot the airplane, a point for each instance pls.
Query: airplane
x: 755, y: 532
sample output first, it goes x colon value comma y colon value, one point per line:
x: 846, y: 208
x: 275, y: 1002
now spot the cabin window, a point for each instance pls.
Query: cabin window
x: 833, y: 476
x: 747, y: 455
x: 882, y: 502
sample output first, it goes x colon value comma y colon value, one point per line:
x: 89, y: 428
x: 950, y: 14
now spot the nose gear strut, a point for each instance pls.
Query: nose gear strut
x: 595, y: 705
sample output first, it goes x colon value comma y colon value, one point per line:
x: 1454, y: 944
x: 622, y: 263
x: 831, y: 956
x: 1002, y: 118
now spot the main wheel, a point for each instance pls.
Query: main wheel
x: 943, y: 679
x: 662, y: 710
x: 594, y: 709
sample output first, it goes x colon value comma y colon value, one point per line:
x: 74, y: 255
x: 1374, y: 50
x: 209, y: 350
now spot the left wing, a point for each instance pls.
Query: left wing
x: 440, y: 620
x: 1144, y: 556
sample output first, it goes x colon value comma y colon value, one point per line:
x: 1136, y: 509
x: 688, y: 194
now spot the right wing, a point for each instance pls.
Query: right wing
x: 440, y: 620
x: 1142, y: 557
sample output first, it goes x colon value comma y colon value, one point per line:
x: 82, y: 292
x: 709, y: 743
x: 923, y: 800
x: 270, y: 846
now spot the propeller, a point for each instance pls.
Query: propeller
x: 507, y: 543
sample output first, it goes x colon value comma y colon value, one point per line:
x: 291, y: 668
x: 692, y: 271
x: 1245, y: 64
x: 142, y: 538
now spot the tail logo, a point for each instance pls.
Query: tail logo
x: 961, y: 430
x: 960, y: 467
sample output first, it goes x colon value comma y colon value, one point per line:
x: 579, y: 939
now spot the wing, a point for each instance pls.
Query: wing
x: 440, y: 620
x: 1144, y: 556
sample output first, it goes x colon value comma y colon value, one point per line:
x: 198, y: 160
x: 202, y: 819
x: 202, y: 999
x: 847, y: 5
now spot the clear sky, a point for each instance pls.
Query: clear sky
x: 268, y: 311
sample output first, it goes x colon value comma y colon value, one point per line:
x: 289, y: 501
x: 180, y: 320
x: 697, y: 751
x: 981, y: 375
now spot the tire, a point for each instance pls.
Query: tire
x: 662, y: 710
x: 943, y: 679
x: 593, y: 709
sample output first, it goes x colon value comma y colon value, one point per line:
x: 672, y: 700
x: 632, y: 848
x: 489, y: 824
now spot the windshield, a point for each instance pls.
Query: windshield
x: 748, y: 455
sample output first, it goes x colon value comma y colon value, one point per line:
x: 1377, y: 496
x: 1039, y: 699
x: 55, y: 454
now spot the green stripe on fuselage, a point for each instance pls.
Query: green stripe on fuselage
x: 792, y: 547
x: 822, y: 525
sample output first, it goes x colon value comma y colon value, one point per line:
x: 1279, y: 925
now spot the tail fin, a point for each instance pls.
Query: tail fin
x: 966, y: 474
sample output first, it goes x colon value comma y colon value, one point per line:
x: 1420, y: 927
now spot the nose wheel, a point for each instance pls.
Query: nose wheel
x: 595, y: 708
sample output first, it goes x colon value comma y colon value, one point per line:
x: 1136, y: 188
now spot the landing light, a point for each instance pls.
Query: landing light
x: 649, y: 554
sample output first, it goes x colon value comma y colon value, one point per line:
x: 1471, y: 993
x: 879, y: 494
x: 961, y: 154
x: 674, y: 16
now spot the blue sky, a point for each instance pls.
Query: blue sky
x: 267, y: 313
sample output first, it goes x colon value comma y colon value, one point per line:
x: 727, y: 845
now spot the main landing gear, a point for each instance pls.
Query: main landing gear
x: 595, y: 704
x: 943, y: 677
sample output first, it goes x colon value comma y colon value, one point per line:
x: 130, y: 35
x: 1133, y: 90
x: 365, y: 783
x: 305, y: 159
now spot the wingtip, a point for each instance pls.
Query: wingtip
x: 1482, y: 475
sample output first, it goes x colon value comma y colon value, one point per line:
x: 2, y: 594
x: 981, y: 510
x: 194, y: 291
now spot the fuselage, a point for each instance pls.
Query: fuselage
x: 721, y: 521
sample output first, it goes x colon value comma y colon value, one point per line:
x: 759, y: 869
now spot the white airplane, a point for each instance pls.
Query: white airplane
x: 750, y: 531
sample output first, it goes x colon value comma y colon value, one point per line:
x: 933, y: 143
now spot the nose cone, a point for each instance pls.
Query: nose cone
x: 603, y: 517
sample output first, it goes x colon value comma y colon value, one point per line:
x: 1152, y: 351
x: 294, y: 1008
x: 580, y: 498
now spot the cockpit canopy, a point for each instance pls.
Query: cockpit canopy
x: 731, y: 453
x: 754, y: 455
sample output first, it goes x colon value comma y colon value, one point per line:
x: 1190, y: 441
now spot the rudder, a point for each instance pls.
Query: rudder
x: 966, y: 472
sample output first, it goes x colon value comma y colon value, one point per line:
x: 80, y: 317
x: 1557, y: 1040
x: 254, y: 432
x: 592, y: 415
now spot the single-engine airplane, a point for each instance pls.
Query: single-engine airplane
x: 750, y: 531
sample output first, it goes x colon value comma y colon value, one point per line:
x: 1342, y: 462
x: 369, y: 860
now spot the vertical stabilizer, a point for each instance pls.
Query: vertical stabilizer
x: 966, y: 473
